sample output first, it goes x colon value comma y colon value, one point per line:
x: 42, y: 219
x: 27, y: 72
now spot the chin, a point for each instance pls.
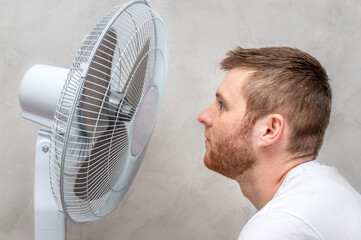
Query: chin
x: 215, y: 166
x: 228, y: 165
x: 207, y: 161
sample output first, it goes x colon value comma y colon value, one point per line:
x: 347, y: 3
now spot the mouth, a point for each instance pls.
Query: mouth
x: 206, y: 141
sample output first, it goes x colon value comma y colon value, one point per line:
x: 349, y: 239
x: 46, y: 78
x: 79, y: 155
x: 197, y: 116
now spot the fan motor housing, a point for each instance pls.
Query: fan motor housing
x: 39, y: 93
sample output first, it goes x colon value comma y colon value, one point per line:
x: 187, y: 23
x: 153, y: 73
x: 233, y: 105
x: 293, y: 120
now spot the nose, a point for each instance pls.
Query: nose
x: 205, y: 118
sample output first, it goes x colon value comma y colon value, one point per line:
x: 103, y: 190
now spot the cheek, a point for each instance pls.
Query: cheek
x: 222, y: 130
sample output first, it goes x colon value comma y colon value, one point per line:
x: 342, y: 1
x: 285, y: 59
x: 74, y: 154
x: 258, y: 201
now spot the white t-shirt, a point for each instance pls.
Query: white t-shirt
x: 313, y: 202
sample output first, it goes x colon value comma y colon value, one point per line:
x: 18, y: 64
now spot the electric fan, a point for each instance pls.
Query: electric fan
x: 101, y: 112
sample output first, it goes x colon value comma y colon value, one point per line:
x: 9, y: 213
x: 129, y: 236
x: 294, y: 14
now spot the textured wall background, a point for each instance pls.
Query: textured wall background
x: 174, y: 196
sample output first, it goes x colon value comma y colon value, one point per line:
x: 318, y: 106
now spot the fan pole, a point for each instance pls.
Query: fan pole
x: 49, y: 223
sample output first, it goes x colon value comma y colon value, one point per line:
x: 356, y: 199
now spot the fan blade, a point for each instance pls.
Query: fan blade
x: 101, y: 170
x: 137, y: 76
x: 92, y: 181
x: 96, y: 92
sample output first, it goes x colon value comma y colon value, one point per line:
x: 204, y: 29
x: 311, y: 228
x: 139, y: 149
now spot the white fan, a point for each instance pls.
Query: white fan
x: 101, y: 113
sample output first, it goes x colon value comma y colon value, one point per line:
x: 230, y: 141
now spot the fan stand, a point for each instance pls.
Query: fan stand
x: 49, y: 222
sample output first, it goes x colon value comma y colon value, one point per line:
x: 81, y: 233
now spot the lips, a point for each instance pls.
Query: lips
x: 206, y: 140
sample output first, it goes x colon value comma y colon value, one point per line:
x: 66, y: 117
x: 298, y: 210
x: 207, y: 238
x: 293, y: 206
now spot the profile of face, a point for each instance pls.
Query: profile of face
x: 228, y: 141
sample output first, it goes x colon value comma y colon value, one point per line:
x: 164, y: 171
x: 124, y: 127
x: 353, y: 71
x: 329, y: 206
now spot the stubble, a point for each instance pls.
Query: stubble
x: 233, y: 154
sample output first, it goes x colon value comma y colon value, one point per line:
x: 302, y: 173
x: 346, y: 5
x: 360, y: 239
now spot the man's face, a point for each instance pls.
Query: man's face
x: 228, y: 140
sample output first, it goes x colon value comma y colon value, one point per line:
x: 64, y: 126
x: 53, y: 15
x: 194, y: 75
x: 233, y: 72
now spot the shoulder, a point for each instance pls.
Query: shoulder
x: 314, y: 202
x: 278, y: 225
x: 318, y: 191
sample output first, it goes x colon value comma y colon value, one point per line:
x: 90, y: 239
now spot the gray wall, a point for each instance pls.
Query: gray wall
x: 174, y: 196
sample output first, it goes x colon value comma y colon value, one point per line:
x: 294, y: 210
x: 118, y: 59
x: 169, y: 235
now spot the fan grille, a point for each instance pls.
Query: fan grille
x: 119, y: 61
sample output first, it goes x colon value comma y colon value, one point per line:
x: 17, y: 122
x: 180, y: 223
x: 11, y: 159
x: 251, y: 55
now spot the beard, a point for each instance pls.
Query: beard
x: 233, y: 154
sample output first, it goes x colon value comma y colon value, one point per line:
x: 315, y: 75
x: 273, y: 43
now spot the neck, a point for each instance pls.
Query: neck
x: 261, y: 182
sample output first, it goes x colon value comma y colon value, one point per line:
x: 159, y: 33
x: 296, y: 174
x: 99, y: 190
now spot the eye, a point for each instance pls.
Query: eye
x: 220, y: 106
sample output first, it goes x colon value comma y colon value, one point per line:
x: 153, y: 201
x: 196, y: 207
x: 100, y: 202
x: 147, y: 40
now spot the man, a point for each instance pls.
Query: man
x: 264, y: 130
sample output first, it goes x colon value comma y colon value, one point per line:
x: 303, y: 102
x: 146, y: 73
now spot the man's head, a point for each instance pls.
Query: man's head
x: 285, y: 83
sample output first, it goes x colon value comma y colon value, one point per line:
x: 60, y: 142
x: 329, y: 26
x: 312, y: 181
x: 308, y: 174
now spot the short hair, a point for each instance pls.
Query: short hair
x: 289, y: 82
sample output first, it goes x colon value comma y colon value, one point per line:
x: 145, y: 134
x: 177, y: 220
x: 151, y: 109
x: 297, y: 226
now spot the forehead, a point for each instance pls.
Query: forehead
x: 231, y: 85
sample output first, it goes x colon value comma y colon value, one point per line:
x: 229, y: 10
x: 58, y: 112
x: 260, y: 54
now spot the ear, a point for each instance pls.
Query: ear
x: 270, y: 129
